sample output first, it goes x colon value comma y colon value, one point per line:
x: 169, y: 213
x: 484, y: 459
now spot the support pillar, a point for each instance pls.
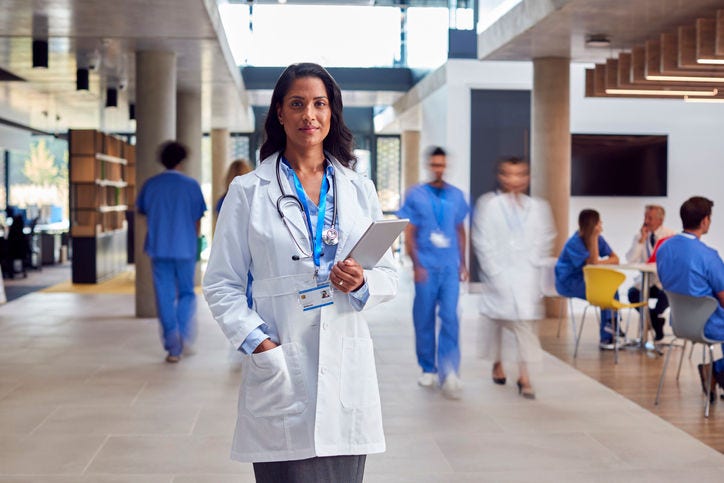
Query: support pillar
x: 551, y: 145
x: 410, y: 159
x: 155, y: 124
x: 220, y: 159
x: 189, y: 133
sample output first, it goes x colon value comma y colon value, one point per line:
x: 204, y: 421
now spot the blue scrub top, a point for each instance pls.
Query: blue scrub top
x: 687, y: 266
x: 430, y: 209
x: 569, y: 268
x: 172, y: 203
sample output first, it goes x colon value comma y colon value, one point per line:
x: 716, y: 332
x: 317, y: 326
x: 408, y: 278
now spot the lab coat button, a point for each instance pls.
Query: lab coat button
x: 325, y: 325
x: 322, y: 371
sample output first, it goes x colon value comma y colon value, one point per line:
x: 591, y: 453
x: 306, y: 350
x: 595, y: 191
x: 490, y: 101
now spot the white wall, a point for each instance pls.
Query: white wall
x: 434, y: 129
x: 462, y: 77
x: 696, y: 157
x: 696, y: 142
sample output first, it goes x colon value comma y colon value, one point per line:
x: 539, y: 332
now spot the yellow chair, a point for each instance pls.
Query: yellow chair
x: 602, y: 284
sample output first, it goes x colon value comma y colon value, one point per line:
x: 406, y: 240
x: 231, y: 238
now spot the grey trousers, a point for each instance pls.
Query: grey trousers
x: 327, y: 469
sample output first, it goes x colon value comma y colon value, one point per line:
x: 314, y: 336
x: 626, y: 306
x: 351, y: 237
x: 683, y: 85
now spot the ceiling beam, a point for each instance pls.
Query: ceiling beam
x: 706, y: 42
x: 719, y: 48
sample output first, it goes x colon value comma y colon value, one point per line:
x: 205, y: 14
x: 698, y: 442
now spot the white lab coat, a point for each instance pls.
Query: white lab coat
x: 641, y: 252
x: 510, y: 243
x: 316, y: 394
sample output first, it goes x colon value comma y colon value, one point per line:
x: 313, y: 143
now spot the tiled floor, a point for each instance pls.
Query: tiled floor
x: 86, y: 397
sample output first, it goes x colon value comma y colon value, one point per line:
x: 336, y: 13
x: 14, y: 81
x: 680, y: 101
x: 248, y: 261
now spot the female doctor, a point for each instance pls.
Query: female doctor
x: 309, y: 405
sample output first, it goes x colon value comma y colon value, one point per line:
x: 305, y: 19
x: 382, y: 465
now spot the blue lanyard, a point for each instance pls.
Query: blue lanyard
x: 438, y: 207
x: 317, y: 246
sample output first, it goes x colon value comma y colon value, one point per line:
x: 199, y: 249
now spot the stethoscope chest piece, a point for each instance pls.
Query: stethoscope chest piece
x: 330, y: 236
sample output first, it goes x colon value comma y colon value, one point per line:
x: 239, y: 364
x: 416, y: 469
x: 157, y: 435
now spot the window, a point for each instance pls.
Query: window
x: 388, y: 172
x: 38, y: 179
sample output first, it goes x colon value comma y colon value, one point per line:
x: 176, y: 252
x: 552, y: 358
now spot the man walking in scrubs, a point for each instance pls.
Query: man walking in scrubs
x: 173, y: 205
x: 435, y: 241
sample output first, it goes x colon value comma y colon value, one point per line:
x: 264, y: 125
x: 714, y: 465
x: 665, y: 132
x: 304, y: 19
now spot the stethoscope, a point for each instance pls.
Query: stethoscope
x: 330, y: 236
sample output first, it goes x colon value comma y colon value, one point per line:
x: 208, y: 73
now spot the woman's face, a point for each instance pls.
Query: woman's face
x: 305, y: 113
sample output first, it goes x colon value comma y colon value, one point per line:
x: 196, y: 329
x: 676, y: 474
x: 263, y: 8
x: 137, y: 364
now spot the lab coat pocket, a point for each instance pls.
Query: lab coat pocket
x: 274, y: 382
x: 358, y: 388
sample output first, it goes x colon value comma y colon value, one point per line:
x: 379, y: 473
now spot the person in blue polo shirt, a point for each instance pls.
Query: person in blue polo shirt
x: 586, y: 247
x: 687, y: 266
x: 173, y: 205
x: 435, y: 241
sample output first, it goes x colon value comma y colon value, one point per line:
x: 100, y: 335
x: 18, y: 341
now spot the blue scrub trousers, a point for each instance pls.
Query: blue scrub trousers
x: 440, y: 291
x: 605, y: 331
x: 173, y: 282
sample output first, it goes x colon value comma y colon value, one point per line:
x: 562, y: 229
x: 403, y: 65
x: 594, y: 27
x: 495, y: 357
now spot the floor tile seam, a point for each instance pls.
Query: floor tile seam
x: 95, y: 454
x: 33, y: 431
x: 13, y: 387
x: 138, y: 394
x: 195, y: 421
x: 442, y: 454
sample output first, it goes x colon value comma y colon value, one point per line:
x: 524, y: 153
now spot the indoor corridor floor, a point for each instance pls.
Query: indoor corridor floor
x: 85, y: 396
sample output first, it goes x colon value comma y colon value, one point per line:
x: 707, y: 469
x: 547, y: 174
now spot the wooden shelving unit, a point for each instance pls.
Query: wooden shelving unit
x: 102, y: 176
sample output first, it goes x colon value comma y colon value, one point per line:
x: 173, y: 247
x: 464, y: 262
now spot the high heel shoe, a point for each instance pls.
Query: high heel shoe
x: 499, y: 380
x: 527, y: 392
x: 498, y: 367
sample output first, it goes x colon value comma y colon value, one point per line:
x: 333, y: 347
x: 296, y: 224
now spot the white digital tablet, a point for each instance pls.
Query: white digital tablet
x: 375, y: 241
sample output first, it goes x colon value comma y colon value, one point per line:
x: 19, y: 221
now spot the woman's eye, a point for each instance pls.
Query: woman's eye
x: 321, y: 104
x: 296, y: 104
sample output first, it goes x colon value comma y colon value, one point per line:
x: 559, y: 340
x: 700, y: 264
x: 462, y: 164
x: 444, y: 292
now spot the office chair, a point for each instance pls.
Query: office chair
x: 688, y: 317
x: 602, y: 284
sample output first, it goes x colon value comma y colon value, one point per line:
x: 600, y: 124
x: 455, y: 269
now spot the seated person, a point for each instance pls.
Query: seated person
x: 642, y: 248
x: 687, y: 266
x: 586, y: 247
x: 17, y: 240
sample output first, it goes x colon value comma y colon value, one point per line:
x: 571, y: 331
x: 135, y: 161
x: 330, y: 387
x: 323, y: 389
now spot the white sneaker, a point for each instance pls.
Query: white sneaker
x: 452, y: 387
x: 427, y: 379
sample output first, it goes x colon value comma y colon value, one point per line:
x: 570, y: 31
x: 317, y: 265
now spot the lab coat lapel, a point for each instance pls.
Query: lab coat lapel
x: 294, y: 216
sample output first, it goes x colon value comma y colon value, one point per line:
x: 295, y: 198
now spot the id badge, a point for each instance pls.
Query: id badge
x: 438, y: 239
x: 315, y: 297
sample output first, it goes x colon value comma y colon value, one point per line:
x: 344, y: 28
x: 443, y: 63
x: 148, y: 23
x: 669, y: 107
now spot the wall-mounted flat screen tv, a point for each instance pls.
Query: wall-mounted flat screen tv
x: 618, y: 165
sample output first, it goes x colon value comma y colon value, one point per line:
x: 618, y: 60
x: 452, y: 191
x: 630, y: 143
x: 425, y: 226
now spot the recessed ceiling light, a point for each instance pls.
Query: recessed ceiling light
x: 598, y: 41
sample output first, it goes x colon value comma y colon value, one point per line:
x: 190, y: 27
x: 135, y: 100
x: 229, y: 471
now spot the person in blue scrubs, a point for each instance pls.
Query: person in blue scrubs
x: 238, y: 167
x: 586, y: 247
x: 173, y: 205
x: 435, y: 241
x: 687, y: 266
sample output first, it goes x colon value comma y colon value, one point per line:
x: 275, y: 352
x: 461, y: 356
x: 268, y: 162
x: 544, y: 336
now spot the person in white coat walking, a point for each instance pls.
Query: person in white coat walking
x: 512, y: 233
x: 309, y: 405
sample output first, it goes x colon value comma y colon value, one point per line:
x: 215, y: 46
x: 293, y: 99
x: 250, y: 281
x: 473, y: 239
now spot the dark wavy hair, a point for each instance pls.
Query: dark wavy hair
x: 339, y: 142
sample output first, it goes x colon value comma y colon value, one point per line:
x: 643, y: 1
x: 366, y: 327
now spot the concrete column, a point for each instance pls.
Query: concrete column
x: 551, y: 144
x: 410, y: 159
x: 190, y: 133
x: 220, y: 159
x: 188, y: 130
x: 155, y: 123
